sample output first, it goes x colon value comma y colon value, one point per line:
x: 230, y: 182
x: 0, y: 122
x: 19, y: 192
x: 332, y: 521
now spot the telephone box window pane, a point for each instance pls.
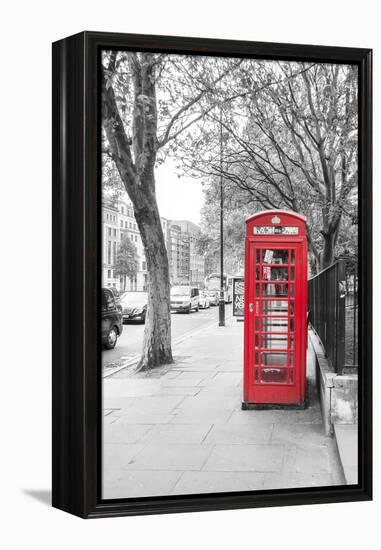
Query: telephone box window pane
x: 291, y: 325
x: 264, y: 324
x: 292, y: 256
x: 274, y: 376
x: 275, y: 273
x: 257, y: 273
x: 271, y: 307
x: 274, y: 256
x: 292, y: 274
x: 272, y: 359
x: 269, y: 341
x: 271, y: 290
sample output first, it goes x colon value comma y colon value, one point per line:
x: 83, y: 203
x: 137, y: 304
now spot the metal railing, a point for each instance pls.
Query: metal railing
x: 333, y: 313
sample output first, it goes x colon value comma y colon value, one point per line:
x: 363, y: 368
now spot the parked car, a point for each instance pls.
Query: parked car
x: 213, y: 296
x: 203, y: 300
x: 112, y: 326
x: 134, y: 306
x: 117, y: 297
x: 184, y: 298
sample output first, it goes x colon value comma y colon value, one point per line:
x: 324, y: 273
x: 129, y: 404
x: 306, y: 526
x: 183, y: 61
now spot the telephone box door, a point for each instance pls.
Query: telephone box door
x: 275, y: 314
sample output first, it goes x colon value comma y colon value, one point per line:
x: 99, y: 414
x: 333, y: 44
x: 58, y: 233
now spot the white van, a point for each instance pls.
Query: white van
x: 184, y: 298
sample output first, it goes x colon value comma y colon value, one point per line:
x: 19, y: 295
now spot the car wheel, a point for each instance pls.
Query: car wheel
x: 112, y: 338
x: 196, y: 308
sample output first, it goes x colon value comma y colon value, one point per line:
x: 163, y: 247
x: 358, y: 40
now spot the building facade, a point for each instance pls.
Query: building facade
x: 186, y: 265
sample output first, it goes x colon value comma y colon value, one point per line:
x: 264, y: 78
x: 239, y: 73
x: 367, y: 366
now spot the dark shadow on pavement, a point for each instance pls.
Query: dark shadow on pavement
x: 42, y: 495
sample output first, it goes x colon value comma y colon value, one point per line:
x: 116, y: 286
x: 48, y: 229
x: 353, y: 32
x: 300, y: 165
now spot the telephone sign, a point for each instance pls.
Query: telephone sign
x: 275, y: 309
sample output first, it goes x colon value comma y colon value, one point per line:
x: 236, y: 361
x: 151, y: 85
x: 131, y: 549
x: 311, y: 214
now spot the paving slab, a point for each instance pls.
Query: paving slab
x: 130, y: 387
x: 299, y: 434
x: 206, y: 399
x: 117, y: 455
x: 144, y: 483
x: 222, y: 434
x: 161, y: 404
x: 181, y: 391
x: 290, y: 481
x: 170, y: 457
x: 227, y: 379
x: 121, y: 432
x: 178, y: 433
x: 245, y: 458
x: 208, y: 415
x: 230, y: 366
x: 254, y: 417
x: 184, y: 380
x: 143, y: 417
x: 315, y: 462
x: 217, y: 482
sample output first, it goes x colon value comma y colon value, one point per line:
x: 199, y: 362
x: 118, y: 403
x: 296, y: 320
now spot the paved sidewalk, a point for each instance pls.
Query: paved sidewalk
x: 181, y: 430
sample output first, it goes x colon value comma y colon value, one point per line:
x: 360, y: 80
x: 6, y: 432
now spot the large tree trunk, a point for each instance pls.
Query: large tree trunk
x: 327, y: 255
x: 157, y: 333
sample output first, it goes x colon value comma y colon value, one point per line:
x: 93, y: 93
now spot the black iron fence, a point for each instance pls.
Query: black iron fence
x: 333, y: 313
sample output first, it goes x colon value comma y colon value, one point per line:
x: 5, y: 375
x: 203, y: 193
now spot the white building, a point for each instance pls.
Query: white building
x: 111, y: 239
x: 186, y: 266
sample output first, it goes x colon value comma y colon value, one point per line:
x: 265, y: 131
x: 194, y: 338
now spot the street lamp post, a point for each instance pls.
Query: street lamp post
x: 221, y: 304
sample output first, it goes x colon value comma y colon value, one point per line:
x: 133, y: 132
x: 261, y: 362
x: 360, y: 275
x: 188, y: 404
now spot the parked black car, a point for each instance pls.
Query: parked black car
x: 112, y: 325
x: 117, y: 297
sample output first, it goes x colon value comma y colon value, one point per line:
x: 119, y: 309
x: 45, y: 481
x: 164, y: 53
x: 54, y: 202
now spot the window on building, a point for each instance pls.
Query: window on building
x: 121, y: 223
x: 130, y: 225
x: 109, y: 274
x: 122, y: 209
x: 109, y: 252
x: 114, y: 232
x: 125, y: 225
x: 109, y: 231
x: 114, y: 251
x: 136, y: 238
x: 132, y: 237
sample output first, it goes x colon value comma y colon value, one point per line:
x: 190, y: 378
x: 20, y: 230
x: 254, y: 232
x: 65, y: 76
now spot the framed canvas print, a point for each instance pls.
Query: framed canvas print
x: 212, y: 274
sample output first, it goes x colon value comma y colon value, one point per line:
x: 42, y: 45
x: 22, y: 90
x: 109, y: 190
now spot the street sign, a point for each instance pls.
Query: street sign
x: 238, y: 296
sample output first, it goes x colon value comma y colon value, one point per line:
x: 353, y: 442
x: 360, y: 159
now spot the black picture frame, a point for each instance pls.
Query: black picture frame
x: 76, y: 275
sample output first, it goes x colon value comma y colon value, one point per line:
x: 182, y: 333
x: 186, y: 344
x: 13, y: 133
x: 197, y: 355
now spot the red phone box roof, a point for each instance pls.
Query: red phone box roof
x: 276, y: 222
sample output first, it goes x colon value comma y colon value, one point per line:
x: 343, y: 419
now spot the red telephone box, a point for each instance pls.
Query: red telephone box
x: 275, y: 310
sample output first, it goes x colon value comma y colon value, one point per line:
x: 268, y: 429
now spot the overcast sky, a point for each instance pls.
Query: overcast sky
x: 178, y: 198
